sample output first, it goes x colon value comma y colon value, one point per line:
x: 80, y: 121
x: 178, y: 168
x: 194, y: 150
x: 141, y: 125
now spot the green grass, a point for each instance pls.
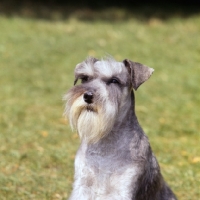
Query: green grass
x: 37, y: 58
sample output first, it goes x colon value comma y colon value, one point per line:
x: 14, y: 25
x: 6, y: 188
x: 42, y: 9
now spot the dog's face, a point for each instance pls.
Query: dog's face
x: 94, y: 105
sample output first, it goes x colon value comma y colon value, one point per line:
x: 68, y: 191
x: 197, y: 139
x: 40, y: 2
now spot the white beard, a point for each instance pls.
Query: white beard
x: 92, y: 122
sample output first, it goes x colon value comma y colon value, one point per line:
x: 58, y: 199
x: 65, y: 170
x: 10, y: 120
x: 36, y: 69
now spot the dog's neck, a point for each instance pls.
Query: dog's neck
x: 126, y: 116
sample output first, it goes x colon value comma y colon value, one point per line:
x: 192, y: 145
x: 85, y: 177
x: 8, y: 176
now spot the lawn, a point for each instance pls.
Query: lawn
x: 37, y: 58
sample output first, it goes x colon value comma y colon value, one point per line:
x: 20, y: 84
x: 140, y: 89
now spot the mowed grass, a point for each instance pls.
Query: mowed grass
x: 37, y: 58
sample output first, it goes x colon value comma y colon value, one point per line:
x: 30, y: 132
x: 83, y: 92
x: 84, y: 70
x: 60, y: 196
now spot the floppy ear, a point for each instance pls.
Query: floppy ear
x: 139, y: 73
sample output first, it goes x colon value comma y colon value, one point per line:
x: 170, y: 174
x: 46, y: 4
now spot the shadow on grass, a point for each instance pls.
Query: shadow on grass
x: 59, y: 10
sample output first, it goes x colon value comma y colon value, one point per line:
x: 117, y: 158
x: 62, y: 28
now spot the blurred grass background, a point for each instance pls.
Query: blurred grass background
x: 37, y: 58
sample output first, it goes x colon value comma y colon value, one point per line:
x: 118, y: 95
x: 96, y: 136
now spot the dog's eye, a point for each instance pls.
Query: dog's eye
x: 114, y: 80
x: 84, y: 79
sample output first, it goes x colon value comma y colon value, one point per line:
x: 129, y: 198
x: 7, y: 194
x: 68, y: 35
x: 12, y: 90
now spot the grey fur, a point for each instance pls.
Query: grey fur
x: 118, y: 165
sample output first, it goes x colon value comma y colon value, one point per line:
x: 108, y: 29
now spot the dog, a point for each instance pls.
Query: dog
x: 114, y: 160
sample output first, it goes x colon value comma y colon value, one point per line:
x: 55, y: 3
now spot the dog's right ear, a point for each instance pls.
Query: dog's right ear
x: 79, y: 67
x: 139, y: 73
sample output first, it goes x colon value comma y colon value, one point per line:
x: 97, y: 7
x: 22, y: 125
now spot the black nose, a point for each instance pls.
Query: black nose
x: 88, y: 96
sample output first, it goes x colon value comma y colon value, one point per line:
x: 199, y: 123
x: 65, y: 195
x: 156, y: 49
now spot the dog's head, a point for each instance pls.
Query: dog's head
x: 104, y: 93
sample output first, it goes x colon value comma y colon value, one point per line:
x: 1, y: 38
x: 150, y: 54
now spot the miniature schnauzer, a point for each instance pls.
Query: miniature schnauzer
x: 115, y: 160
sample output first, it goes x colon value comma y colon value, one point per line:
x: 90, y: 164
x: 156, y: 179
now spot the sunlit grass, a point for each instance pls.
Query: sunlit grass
x: 37, y: 59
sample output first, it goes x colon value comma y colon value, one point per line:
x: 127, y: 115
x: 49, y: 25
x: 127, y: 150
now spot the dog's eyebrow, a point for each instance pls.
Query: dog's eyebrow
x: 121, y: 77
x: 81, y: 75
x: 84, y: 68
x: 121, y: 80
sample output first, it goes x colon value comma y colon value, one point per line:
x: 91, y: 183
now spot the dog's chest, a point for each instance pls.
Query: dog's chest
x: 105, y: 177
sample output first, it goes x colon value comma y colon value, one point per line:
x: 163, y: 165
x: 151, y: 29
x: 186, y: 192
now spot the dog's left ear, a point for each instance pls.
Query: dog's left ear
x: 139, y: 73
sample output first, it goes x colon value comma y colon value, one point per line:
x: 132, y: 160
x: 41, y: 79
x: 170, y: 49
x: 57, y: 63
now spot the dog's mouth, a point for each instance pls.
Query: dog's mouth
x: 90, y: 108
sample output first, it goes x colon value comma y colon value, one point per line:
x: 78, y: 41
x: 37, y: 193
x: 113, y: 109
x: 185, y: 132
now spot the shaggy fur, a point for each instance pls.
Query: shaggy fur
x: 114, y: 161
